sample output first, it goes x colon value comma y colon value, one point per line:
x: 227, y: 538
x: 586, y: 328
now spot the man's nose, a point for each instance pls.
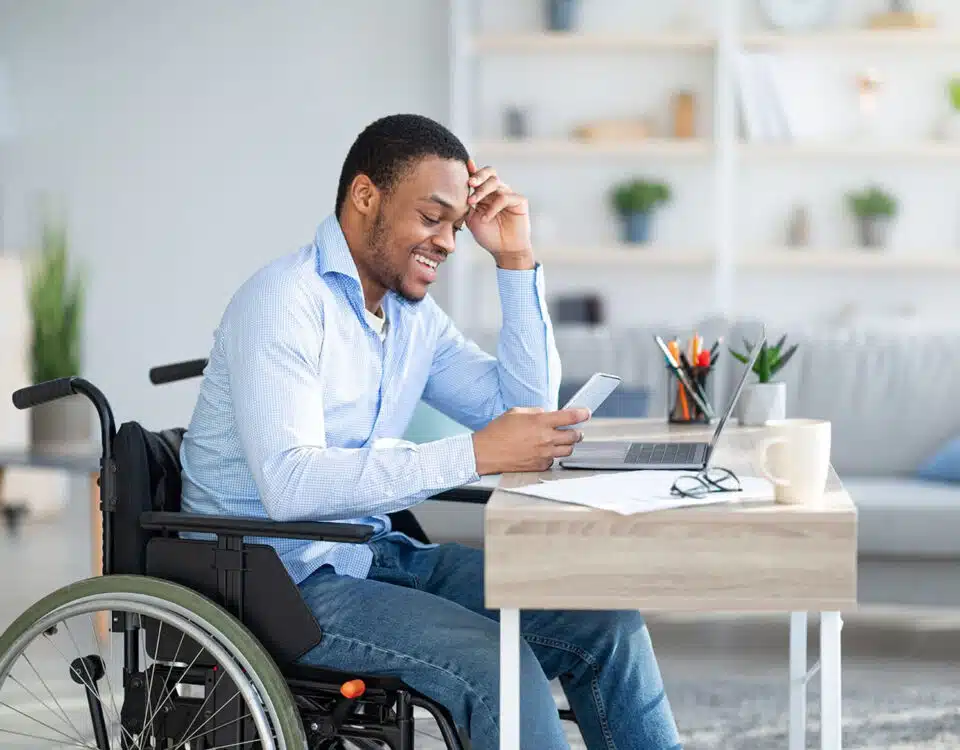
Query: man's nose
x: 445, y: 240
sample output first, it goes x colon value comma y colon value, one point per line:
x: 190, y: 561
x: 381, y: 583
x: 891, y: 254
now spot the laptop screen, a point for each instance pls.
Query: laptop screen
x: 747, y: 368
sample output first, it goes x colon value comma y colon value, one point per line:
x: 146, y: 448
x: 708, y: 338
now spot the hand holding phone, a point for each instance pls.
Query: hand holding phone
x: 593, y: 393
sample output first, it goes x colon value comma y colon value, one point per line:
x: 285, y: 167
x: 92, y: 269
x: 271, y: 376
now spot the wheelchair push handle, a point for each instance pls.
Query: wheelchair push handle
x: 191, y: 368
x: 51, y: 390
x: 41, y: 393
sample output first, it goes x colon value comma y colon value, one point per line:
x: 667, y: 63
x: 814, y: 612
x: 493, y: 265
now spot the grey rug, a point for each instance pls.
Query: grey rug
x: 886, y: 706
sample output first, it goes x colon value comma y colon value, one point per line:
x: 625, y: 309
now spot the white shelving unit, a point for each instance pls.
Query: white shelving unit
x: 559, y: 42
x: 721, y: 153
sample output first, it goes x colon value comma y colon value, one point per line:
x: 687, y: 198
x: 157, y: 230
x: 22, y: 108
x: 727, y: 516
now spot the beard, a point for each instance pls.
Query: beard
x: 382, y: 268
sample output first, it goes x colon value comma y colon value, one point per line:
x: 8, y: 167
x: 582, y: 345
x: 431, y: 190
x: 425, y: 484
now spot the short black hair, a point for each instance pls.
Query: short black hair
x: 388, y: 146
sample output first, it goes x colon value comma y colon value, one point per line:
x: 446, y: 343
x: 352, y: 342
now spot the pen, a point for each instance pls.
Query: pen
x: 694, y: 379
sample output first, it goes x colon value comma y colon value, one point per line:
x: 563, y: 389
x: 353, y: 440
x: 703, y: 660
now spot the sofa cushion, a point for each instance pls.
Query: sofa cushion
x: 944, y: 465
x: 906, y: 516
x: 885, y: 388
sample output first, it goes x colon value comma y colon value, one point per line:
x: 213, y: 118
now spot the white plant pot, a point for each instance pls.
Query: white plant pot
x: 760, y: 402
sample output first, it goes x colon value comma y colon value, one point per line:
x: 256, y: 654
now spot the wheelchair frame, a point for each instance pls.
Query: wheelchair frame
x: 333, y: 706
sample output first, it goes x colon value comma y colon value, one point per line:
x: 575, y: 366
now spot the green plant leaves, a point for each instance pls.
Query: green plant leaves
x: 639, y: 196
x: 769, y: 361
x: 56, y: 301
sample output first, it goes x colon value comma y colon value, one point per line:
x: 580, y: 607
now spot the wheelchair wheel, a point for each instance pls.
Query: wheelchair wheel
x: 123, y: 662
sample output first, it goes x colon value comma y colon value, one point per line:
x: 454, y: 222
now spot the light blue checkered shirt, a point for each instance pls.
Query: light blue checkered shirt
x: 302, y: 406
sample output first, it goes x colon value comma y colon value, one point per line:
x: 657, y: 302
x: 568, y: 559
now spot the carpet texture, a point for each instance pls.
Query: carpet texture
x: 886, y: 707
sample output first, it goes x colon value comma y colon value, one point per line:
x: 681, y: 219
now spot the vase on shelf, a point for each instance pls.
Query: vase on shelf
x: 636, y: 227
x: 561, y: 14
x: 874, y: 231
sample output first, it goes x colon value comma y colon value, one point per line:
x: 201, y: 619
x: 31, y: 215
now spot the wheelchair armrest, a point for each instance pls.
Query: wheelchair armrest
x: 474, y: 495
x: 324, y: 531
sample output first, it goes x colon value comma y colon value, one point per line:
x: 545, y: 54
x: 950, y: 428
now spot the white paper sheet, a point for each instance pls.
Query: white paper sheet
x: 629, y: 492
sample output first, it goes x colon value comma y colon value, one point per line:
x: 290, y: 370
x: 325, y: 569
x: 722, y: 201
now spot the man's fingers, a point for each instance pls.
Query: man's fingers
x: 488, y: 187
x: 565, y: 417
x: 498, y: 201
x: 566, y: 437
x: 479, y: 176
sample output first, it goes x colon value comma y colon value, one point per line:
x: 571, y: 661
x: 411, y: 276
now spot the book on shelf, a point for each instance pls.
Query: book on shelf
x: 763, y: 108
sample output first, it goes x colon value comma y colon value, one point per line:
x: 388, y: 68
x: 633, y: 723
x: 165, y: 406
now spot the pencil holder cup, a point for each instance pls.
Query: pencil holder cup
x: 682, y: 408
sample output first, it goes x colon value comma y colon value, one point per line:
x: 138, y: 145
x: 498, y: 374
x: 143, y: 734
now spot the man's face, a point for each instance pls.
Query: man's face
x: 414, y: 227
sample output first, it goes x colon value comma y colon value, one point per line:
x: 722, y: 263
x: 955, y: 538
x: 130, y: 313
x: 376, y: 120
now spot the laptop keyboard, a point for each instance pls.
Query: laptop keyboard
x: 662, y: 453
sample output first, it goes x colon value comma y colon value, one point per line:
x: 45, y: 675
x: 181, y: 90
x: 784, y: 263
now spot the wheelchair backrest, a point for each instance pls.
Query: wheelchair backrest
x: 148, y: 478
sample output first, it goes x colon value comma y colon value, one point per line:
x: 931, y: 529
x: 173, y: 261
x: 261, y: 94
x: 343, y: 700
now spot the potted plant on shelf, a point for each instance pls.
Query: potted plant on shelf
x: 765, y: 399
x: 874, y: 209
x: 561, y: 15
x: 950, y: 127
x: 635, y: 202
x: 56, y: 299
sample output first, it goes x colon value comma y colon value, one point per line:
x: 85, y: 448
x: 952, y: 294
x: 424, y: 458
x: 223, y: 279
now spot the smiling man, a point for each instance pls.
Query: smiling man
x: 316, y: 368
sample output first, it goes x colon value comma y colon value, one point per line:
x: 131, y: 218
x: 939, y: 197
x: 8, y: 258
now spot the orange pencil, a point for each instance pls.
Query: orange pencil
x: 681, y: 390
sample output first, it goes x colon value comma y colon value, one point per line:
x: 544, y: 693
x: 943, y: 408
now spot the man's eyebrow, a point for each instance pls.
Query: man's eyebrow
x: 446, y: 204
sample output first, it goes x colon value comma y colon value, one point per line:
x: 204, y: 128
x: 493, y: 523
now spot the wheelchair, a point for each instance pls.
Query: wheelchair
x: 187, y: 644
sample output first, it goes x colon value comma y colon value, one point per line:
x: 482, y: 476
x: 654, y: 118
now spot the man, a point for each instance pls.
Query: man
x: 316, y: 367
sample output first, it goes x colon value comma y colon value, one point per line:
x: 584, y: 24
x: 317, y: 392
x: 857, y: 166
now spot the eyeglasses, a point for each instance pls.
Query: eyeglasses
x: 713, y: 479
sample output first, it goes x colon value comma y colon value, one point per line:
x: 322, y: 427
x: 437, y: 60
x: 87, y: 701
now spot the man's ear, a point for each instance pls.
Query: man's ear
x: 364, y: 195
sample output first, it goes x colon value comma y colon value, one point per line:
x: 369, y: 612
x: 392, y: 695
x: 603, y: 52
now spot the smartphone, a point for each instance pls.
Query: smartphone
x: 594, y: 392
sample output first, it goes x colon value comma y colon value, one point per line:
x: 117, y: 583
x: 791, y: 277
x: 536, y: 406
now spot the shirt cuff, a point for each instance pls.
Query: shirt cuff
x: 522, y: 290
x: 447, y: 463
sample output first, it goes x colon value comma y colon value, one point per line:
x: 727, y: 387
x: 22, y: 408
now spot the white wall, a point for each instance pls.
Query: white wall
x: 191, y: 143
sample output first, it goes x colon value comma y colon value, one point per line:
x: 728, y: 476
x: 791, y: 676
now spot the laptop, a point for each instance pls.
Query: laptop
x: 623, y: 455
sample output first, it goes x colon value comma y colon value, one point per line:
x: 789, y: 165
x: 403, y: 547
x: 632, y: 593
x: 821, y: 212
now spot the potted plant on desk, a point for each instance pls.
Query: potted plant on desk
x: 765, y: 399
x: 635, y: 202
x: 56, y: 310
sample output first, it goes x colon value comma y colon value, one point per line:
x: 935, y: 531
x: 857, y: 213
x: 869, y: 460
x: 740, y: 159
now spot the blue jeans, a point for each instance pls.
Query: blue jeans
x: 420, y: 616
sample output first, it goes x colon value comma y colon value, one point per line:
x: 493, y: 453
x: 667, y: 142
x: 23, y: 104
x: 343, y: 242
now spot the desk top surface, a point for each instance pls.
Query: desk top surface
x: 737, y: 449
x: 725, y: 557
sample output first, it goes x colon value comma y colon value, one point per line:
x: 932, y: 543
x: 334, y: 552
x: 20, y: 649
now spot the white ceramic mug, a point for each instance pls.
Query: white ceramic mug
x: 796, y: 458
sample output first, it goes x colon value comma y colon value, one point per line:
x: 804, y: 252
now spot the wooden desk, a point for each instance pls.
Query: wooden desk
x: 747, y: 556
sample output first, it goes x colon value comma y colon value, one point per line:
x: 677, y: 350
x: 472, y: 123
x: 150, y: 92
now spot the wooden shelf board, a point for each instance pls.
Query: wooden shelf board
x: 605, y: 256
x: 854, y: 259
x: 560, y: 147
x: 583, y: 42
x: 919, y: 37
x: 930, y: 149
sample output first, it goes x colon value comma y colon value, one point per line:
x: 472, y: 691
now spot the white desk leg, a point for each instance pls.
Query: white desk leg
x: 830, y: 715
x: 509, y: 679
x: 798, y: 681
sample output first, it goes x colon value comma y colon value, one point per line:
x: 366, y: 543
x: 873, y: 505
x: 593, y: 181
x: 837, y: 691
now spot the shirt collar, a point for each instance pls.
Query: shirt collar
x: 333, y: 256
x: 333, y: 253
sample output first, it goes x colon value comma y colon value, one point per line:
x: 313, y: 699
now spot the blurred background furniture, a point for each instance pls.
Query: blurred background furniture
x: 886, y: 383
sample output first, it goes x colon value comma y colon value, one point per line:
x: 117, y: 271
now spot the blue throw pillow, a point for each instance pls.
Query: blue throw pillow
x: 944, y: 465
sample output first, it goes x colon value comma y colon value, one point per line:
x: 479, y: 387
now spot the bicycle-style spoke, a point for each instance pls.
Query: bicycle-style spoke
x: 42, y: 703
x: 200, y: 730
x: 83, y: 745
x: 44, y: 724
x: 181, y: 708
x: 50, y: 692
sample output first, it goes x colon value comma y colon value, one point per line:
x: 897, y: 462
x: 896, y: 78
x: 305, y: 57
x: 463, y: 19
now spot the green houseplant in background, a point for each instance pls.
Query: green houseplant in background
x: 635, y: 202
x: 950, y: 126
x: 874, y: 209
x: 56, y: 304
x: 766, y: 398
